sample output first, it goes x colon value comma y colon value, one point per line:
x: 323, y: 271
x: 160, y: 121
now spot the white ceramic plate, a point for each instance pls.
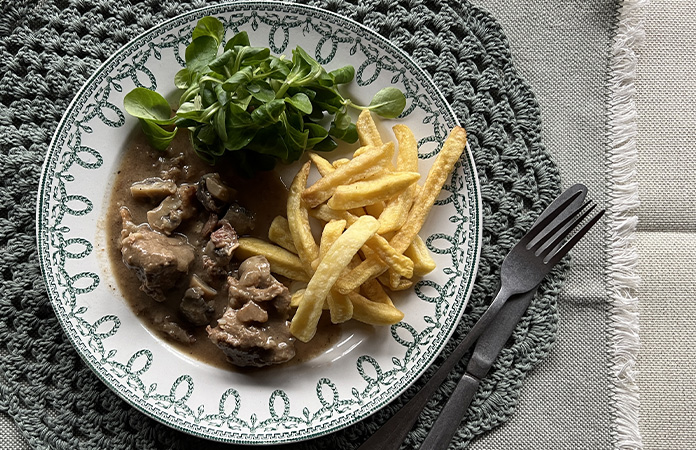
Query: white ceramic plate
x: 353, y: 379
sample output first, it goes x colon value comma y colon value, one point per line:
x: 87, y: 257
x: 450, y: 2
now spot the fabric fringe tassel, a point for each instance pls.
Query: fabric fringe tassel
x: 622, y: 277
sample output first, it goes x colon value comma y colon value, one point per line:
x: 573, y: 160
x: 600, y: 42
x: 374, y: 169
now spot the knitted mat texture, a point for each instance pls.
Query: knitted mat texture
x: 48, y: 48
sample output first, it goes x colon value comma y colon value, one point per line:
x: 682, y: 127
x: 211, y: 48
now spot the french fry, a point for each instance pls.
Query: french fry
x: 396, y: 211
x: 395, y: 281
x: 370, y: 268
x: 340, y: 307
x: 375, y: 209
x: 304, y: 323
x: 332, y: 230
x: 374, y: 313
x: 371, y: 162
x: 398, y: 262
x: 418, y: 253
x: 279, y: 233
x: 373, y: 290
x: 339, y: 162
x: 296, y: 298
x: 367, y: 192
x: 407, y: 156
x: 377, y: 244
x: 298, y: 219
x: 442, y: 167
x: 323, y: 166
x: 282, y: 261
x: 367, y: 130
x: 326, y: 214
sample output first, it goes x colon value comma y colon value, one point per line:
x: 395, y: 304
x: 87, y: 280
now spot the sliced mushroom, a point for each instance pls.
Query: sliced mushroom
x: 152, y: 189
x: 218, y: 189
x: 213, y: 193
x: 208, y: 291
x: 173, y: 210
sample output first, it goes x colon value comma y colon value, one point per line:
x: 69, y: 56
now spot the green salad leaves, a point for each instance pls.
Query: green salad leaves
x: 255, y: 106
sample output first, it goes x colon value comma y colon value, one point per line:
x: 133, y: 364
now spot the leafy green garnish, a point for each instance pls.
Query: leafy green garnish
x: 259, y: 107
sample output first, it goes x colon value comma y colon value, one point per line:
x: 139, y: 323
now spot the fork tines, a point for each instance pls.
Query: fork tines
x: 554, y: 244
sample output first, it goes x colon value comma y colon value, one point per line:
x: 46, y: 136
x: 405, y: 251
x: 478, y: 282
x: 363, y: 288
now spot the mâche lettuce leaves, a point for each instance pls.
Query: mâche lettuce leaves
x: 258, y: 108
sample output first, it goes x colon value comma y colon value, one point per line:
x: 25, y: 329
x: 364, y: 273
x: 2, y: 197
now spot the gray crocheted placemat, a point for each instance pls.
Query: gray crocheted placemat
x: 48, y: 48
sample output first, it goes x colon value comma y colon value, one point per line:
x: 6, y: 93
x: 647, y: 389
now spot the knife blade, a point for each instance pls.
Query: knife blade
x: 485, y: 352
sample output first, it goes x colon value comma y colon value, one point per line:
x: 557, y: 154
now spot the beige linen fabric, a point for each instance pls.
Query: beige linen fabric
x: 666, y: 83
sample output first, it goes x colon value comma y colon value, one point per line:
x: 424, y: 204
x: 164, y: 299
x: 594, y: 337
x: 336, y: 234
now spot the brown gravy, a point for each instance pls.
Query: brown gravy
x: 265, y: 195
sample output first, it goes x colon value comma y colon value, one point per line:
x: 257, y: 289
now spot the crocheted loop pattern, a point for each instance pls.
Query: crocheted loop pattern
x: 47, y: 51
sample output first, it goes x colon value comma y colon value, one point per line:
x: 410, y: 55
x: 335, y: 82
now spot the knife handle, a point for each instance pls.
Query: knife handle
x: 393, y: 432
x: 484, y: 355
x: 447, y: 422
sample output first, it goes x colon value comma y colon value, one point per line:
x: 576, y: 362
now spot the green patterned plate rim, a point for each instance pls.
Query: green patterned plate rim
x: 367, y: 368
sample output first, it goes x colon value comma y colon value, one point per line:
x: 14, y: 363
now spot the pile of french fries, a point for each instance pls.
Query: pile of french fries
x: 371, y: 213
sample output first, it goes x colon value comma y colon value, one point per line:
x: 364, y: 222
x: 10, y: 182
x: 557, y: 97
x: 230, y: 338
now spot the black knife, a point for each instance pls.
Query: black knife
x: 487, y: 348
x: 393, y: 432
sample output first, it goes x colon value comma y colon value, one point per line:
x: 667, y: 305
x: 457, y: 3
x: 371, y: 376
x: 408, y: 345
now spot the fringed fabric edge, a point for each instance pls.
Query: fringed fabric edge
x: 622, y: 277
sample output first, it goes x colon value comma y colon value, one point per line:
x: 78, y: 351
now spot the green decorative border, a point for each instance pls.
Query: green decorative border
x: 171, y: 407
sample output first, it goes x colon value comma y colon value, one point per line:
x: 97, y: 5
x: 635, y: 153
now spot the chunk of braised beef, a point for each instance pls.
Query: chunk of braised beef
x: 255, y: 328
x: 173, y: 330
x: 173, y: 210
x: 209, y: 225
x: 160, y: 262
x: 219, y: 250
x: 195, y: 308
x: 240, y: 218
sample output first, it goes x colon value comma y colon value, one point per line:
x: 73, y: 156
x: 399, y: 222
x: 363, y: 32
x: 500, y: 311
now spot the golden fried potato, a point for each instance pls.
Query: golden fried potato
x: 282, y: 261
x: 298, y: 219
x: 367, y: 130
x: 323, y: 166
x: 279, y: 233
x: 374, y: 313
x: 396, y: 210
x: 340, y: 307
x: 368, y: 192
x: 304, y: 324
x: 373, y: 290
x: 361, y: 167
x: 331, y: 232
x: 418, y: 253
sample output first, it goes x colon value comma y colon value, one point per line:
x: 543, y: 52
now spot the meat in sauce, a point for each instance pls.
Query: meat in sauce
x: 176, y: 224
x: 254, y: 330
x: 159, y: 261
